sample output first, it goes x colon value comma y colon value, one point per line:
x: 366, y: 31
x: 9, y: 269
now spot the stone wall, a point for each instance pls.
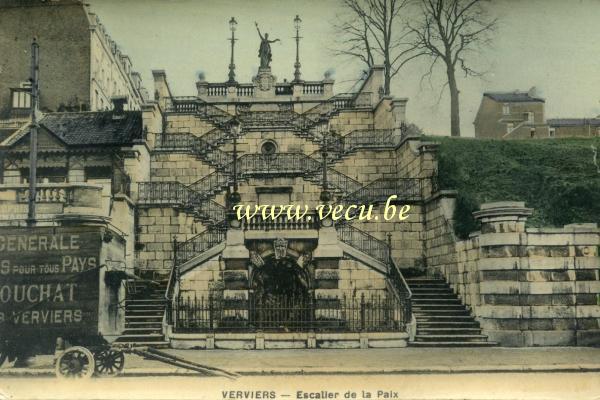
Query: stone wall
x: 526, y: 286
x: 156, y: 227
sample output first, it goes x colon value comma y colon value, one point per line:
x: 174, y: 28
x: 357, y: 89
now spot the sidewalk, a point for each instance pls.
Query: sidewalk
x: 371, y: 361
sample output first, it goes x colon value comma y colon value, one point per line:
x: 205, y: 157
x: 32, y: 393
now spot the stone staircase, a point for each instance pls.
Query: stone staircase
x: 144, y: 311
x: 442, y: 320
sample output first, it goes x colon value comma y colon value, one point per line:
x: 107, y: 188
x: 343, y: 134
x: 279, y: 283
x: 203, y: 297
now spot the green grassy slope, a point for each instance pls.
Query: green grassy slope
x: 556, y: 177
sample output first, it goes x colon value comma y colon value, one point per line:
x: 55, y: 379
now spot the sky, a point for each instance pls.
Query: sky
x: 552, y: 45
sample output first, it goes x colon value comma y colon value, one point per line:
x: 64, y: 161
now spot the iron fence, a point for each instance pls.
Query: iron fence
x: 282, y: 313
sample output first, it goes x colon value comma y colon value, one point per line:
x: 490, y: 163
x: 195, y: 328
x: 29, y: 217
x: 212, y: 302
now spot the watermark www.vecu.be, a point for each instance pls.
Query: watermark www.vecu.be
x: 361, y: 212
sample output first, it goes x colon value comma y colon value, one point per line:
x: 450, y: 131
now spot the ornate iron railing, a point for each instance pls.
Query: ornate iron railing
x: 186, y: 141
x: 192, y: 247
x: 281, y: 222
x: 172, y: 192
x: 194, y: 105
x: 365, y: 242
x: 176, y: 193
x: 374, y: 312
x: 381, y: 251
x: 203, y: 241
x: 378, y: 191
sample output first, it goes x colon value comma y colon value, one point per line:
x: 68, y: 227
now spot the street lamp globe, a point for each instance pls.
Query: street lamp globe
x: 232, y: 24
x: 297, y: 22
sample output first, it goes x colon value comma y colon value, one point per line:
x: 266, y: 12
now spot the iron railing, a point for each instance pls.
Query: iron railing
x: 199, y: 243
x: 206, y: 151
x: 378, y: 191
x: 381, y: 251
x: 176, y: 193
x: 187, y: 250
x: 365, y: 242
x: 373, y: 312
x: 280, y: 220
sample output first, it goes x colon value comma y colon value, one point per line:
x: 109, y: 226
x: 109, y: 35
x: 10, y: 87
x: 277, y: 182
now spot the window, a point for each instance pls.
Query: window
x: 268, y: 148
x: 551, y: 132
x: 46, y: 175
x: 21, y: 98
x: 505, y: 109
x: 529, y: 117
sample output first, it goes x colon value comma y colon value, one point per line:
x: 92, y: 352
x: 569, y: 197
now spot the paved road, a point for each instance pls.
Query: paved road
x: 408, y: 360
x: 429, y: 386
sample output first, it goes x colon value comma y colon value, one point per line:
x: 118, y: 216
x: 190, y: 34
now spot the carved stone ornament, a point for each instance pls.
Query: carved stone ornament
x: 256, y: 259
x: 280, y: 248
x: 264, y: 80
x: 304, y: 259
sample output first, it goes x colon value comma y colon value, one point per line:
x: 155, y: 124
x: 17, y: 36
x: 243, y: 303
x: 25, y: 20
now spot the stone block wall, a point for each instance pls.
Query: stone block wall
x: 183, y: 167
x: 530, y: 287
x: 406, y: 236
x: 156, y: 228
x: 368, y: 165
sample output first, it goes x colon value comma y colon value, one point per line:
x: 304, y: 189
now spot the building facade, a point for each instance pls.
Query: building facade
x: 81, y: 67
x: 510, y: 115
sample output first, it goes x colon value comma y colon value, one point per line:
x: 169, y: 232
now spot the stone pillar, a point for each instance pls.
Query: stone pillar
x: 503, y: 217
x: 162, y: 93
x: 328, y: 88
x: 500, y: 278
x: 327, y: 258
x: 399, y: 114
x: 235, y: 276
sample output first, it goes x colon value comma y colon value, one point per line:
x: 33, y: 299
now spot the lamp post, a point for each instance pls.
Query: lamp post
x: 236, y: 128
x: 325, y: 195
x: 232, y: 26
x: 33, y: 142
x: 297, y: 75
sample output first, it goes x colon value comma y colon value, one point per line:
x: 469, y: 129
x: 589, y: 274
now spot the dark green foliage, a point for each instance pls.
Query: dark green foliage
x: 556, y: 177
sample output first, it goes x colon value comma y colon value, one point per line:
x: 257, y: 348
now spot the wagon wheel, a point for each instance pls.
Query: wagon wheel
x: 109, y: 362
x: 75, y: 362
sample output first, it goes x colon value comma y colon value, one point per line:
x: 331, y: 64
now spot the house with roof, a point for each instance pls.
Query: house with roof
x: 88, y: 164
x: 511, y: 115
x: 574, y: 127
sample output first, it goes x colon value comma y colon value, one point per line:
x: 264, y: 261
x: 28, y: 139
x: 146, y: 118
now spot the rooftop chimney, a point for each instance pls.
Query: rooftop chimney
x: 118, y: 106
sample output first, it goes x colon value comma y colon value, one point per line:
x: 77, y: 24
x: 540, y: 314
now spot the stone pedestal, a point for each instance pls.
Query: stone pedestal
x: 503, y: 217
x: 327, y: 256
x: 265, y: 83
x: 235, y: 276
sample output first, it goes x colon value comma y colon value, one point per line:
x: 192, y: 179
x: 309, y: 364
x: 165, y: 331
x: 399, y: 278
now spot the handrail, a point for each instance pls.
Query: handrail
x: 381, y: 251
x: 379, y: 190
x: 187, y: 250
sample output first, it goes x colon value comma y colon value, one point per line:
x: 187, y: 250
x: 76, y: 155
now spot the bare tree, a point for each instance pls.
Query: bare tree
x: 448, y: 31
x: 371, y: 32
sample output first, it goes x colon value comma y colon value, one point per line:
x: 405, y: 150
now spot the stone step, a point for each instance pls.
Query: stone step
x: 452, y: 344
x: 447, y: 331
x: 438, y: 295
x: 450, y: 324
x: 142, y: 331
x: 450, y: 338
x: 144, y: 318
x: 428, y: 300
x: 144, y: 311
x: 440, y: 312
x: 443, y: 318
x: 438, y: 306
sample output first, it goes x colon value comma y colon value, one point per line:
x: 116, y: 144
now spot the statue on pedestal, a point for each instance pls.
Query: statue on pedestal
x: 264, y: 51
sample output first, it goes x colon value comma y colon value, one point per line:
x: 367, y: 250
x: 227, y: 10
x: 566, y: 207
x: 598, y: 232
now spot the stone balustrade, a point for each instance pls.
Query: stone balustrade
x: 52, y: 199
